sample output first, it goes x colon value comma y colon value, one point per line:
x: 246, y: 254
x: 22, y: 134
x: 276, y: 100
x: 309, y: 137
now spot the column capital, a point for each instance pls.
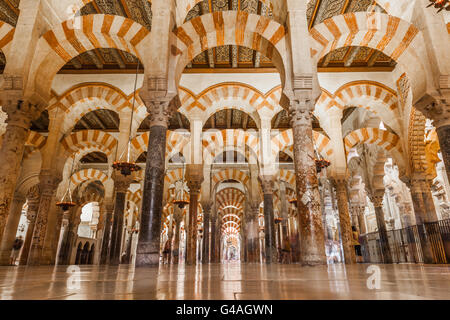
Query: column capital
x: 267, y: 184
x: 121, y: 182
x: 48, y: 182
x: 377, y: 198
x: 194, y: 186
x: 300, y: 111
x: 436, y: 108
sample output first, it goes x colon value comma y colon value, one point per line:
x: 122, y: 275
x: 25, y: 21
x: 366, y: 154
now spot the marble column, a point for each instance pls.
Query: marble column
x: 177, y: 218
x: 106, y: 241
x: 361, y: 221
x: 270, y: 251
x: 443, y: 133
x: 422, y: 216
x: 48, y: 184
x: 214, y: 239
x: 344, y: 221
x: 121, y: 185
x: 11, y: 229
x: 20, y: 115
x: 194, y: 192
x: 72, y: 233
x: 33, y: 206
x: 206, y: 232
x: 312, y: 238
x: 148, y: 248
x: 377, y: 200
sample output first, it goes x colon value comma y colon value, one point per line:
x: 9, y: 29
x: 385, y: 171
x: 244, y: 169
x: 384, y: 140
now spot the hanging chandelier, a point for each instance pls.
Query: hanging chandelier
x: 321, y: 163
x: 293, y: 201
x: 127, y: 167
x: 440, y: 4
x: 66, y: 202
x: 180, y: 198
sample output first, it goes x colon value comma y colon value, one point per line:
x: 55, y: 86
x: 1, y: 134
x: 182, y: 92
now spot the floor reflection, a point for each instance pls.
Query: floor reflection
x: 224, y: 281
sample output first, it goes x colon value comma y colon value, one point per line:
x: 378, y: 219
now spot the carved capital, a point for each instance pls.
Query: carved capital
x: 121, y: 182
x: 267, y: 184
x: 377, y: 198
x: 436, y: 108
x: 300, y: 111
x: 194, y: 186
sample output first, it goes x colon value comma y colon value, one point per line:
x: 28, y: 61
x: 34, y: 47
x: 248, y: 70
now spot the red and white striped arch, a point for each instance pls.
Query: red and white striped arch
x: 87, y: 175
x: 58, y: 46
x: 375, y: 97
x: 88, y: 138
x: 216, y: 142
x: 230, y: 197
x: 231, y: 174
x: 285, y: 140
x: 382, y: 138
x: 396, y: 38
x: 175, y: 142
x: 79, y: 101
x: 227, y: 28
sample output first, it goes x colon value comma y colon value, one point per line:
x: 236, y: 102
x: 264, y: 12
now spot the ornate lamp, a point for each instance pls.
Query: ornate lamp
x: 278, y: 220
x: 127, y: 167
x: 440, y: 4
x: 180, y: 198
x: 321, y: 163
x: 66, y: 202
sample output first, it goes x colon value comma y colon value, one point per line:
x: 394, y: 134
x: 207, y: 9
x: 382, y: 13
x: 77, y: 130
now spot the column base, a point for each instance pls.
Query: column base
x: 313, y: 261
x: 147, y: 256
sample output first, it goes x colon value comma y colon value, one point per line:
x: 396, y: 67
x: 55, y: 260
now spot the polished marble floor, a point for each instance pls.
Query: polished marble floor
x: 226, y: 281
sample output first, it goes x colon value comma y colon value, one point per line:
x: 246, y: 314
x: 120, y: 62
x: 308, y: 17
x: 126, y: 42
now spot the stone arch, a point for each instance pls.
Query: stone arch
x: 134, y: 197
x: 82, y: 99
x: 184, y: 6
x: 175, y: 142
x: 288, y: 176
x: 61, y: 44
x: 285, y: 140
x: 87, y: 175
x: 88, y: 138
x: 230, y: 197
x: 388, y: 141
x: 396, y: 38
x: 36, y: 140
x: 231, y: 174
x: 215, y: 142
x: 228, y: 28
x: 373, y: 96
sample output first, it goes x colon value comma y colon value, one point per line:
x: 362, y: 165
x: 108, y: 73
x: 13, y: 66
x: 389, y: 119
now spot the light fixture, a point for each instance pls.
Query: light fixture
x: 321, y: 163
x: 66, y: 202
x: 293, y: 201
x: 180, y: 198
x: 127, y: 167
x: 440, y: 4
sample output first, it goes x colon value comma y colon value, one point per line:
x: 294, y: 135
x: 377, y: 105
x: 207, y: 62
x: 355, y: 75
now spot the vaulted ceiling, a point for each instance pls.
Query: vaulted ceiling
x: 220, y: 59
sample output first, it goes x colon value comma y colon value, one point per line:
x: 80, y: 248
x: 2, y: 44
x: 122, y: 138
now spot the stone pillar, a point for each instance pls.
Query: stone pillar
x: 48, y: 184
x: 344, y: 221
x: 148, y: 249
x: 69, y: 231
x: 206, y: 233
x: 269, y: 221
x: 194, y: 191
x: 121, y: 185
x: 361, y: 221
x: 33, y: 206
x: 109, y: 208
x: 20, y: 114
x: 10, y: 232
x: 312, y: 238
x: 177, y: 218
x: 215, y: 242
x: 424, y: 208
x: 443, y: 133
x: 377, y: 200
x: 72, y: 234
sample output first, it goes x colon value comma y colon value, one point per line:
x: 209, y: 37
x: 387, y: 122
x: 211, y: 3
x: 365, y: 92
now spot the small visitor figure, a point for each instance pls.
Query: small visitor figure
x: 18, y: 243
x: 166, y: 252
x: 357, y: 244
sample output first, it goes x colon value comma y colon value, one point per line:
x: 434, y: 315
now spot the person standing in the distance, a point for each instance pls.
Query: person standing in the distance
x: 356, y: 244
x: 18, y: 243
